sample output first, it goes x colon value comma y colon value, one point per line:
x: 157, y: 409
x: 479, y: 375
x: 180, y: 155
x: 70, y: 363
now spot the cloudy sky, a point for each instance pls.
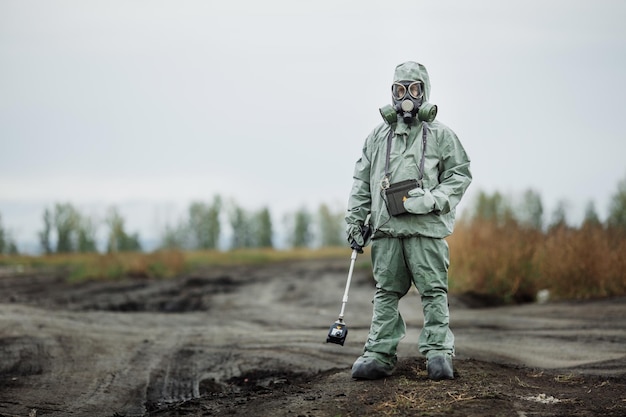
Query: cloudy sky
x: 149, y: 105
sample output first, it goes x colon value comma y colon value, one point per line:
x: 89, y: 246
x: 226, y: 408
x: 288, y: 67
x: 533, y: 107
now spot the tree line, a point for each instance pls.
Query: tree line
x: 66, y: 230
x: 528, y: 211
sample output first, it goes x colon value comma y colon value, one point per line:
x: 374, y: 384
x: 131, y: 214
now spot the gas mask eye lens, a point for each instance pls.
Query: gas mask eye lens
x: 415, y: 90
x: 398, y: 91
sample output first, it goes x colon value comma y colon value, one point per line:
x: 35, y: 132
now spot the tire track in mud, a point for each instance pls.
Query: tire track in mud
x: 188, y: 372
x: 113, y: 367
x: 111, y: 359
x: 175, y: 363
x: 21, y: 355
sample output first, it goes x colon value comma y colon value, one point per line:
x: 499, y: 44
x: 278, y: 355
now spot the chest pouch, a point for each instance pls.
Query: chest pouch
x: 398, y: 192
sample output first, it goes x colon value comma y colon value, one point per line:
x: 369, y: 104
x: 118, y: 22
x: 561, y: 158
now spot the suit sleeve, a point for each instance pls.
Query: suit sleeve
x: 454, y: 176
x: 360, y: 200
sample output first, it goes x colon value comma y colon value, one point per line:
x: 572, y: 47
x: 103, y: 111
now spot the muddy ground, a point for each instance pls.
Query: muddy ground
x: 250, y: 341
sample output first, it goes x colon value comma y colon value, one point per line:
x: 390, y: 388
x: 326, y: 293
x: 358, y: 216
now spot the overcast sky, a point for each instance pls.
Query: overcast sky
x: 149, y: 105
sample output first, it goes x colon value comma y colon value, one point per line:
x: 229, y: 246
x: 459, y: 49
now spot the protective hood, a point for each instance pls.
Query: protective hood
x: 409, y: 106
x: 412, y: 71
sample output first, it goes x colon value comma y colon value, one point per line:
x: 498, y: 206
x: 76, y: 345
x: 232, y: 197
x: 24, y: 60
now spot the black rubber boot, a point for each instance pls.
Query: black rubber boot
x: 370, y: 368
x: 440, y: 367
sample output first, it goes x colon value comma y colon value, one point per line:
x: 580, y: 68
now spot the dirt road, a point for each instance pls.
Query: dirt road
x: 251, y: 341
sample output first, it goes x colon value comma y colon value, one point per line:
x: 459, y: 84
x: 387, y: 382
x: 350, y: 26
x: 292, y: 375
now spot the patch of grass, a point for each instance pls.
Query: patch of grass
x: 265, y: 256
x: 163, y: 264
x: 425, y: 399
x: 569, y: 379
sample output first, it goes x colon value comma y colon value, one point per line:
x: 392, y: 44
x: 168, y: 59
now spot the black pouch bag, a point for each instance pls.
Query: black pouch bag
x: 396, y: 194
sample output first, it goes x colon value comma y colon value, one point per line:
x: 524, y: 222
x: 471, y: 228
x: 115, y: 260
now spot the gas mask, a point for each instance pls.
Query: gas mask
x: 408, y: 101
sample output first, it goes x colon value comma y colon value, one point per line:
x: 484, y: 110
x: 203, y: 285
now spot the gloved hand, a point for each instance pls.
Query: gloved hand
x: 356, y: 236
x: 420, y: 201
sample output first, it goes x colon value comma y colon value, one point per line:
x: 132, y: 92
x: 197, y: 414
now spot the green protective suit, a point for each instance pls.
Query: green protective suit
x: 410, y: 248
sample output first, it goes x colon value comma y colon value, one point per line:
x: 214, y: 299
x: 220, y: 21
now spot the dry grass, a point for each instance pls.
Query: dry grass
x: 159, y: 264
x: 428, y: 398
x: 513, y: 263
x: 495, y: 260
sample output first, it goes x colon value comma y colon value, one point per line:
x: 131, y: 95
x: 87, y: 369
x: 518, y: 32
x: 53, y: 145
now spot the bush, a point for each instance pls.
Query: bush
x: 512, y: 263
x: 494, y: 260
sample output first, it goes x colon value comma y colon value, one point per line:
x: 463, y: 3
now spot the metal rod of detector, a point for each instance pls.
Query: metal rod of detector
x: 345, y: 294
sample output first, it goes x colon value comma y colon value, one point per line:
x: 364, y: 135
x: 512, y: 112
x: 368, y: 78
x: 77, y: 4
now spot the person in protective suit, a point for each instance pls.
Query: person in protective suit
x: 411, y: 175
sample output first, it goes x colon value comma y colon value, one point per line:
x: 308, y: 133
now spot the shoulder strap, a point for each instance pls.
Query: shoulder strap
x: 386, y: 179
x: 420, y: 182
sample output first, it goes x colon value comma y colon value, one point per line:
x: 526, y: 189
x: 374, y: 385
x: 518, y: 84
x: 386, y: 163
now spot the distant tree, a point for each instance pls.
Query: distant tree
x: 494, y: 208
x: 7, y: 244
x: 86, y: 235
x: 204, y: 224
x: 240, y: 224
x: 66, y: 220
x: 197, y: 225
x: 3, y: 237
x: 559, y: 216
x: 263, y: 229
x: 530, y: 212
x: 302, y: 236
x: 591, y: 216
x: 44, y: 235
x: 617, y: 208
x: 12, y: 248
x: 119, y: 240
x: 133, y: 243
x: 175, y: 237
x: 330, y: 226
